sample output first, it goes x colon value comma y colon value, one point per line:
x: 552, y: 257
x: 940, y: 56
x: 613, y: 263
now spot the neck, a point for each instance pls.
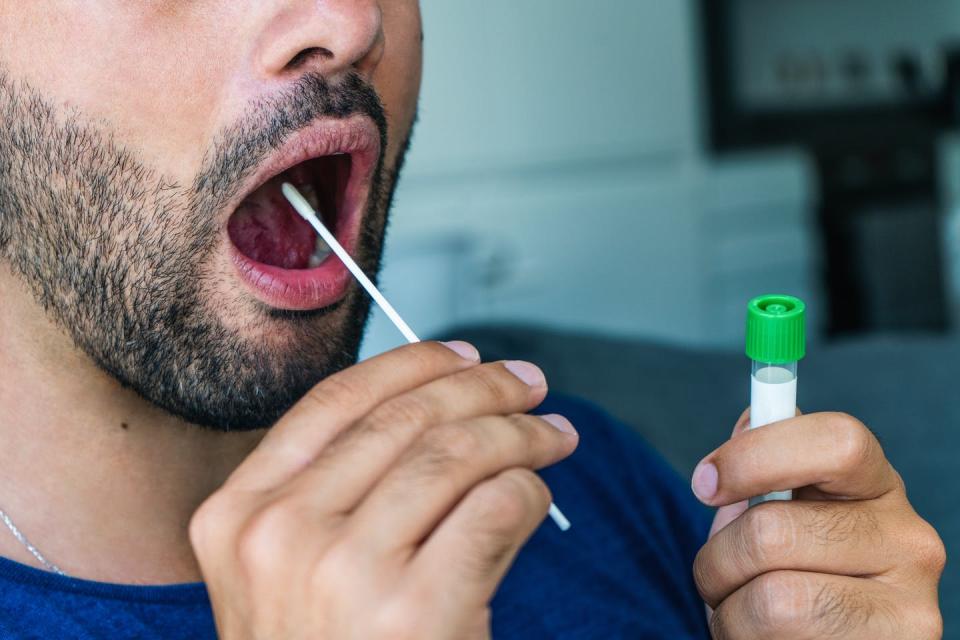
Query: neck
x: 100, y: 481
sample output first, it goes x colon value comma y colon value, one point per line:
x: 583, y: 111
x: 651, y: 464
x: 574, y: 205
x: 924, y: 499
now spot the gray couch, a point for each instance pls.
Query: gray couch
x: 685, y: 402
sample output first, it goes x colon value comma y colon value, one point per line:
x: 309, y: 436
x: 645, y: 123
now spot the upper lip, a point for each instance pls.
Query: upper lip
x: 355, y: 135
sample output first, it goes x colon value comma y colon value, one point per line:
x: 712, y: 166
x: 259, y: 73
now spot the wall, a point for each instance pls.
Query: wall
x: 556, y: 178
x: 513, y: 84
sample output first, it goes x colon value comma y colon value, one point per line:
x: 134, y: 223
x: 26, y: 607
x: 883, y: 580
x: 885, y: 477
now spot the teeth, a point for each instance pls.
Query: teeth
x: 322, y: 248
x: 310, y: 194
x: 320, y: 252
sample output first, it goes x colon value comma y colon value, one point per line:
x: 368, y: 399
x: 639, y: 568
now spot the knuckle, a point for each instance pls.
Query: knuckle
x: 931, y: 554
x: 203, y: 527
x: 442, y: 454
x: 837, y: 523
x: 512, y: 496
x: 260, y: 538
x: 426, y: 358
x: 450, y: 444
x: 703, y: 574
x: 538, y: 493
x: 407, y: 409
x: 213, y: 521
x: 901, y: 484
x: 719, y: 626
x: 779, y: 600
x: 397, y: 620
x: 853, y: 441
x: 339, y: 390
x: 337, y: 567
x: 432, y: 357
x: 524, y: 423
x: 508, y: 506
x: 768, y: 534
x: 485, y: 553
x: 495, y: 383
x: 927, y: 621
x: 527, y: 432
x: 506, y: 498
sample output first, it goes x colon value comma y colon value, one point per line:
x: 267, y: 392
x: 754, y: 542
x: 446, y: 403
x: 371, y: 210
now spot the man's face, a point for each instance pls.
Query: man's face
x: 142, y: 147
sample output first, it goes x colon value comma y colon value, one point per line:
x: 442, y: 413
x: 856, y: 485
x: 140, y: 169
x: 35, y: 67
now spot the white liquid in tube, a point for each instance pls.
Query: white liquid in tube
x: 773, y: 397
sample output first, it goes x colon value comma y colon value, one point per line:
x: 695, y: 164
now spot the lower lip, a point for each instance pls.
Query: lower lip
x: 294, y: 289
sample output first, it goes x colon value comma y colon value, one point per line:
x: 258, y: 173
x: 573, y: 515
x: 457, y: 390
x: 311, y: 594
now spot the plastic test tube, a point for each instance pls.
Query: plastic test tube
x: 776, y: 342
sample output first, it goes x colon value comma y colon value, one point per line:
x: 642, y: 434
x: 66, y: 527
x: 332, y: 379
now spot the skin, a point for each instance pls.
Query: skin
x: 298, y: 531
x: 168, y: 110
x: 847, y: 558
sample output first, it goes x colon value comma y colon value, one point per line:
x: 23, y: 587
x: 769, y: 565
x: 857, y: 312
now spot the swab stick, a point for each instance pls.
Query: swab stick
x: 306, y: 212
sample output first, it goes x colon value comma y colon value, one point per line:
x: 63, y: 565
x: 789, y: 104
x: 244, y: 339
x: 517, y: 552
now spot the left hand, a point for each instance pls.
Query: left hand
x: 847, y: 558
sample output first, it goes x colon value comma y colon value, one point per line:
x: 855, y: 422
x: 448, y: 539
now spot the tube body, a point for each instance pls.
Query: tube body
x: 773, y: 397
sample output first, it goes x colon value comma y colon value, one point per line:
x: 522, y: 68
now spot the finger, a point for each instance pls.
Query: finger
x: 726, y: 515
x: 347, y: 469
x: 341, y: 399
x: 445, y: 464
x: 743, y: 423
x: 842, y: 538
x: 466, y: 557
x: 480, y: 630
x: 794, y: 605
x: 833, y: 452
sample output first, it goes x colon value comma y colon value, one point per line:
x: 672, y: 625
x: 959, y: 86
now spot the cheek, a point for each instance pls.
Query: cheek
x: 111, y: 62
x: 397, y: 78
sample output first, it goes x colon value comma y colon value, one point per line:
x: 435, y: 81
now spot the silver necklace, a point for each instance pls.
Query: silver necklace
x: 49, y: 566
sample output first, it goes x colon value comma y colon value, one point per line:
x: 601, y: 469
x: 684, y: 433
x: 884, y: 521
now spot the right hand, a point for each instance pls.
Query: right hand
x: 388, y: 503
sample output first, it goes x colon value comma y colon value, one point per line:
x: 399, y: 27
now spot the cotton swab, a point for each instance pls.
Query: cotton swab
x: 306, y: 212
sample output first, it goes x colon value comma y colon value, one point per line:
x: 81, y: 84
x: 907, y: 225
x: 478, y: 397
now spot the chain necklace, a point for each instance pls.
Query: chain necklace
x: 49, y: 566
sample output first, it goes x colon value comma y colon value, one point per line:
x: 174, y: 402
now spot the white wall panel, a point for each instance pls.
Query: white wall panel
x: 511, y: 83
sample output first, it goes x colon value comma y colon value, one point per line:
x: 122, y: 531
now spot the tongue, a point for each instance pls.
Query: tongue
x: 266, y: 229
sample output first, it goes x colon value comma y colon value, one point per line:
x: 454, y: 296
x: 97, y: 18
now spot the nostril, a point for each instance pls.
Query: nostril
x: 306, y: 55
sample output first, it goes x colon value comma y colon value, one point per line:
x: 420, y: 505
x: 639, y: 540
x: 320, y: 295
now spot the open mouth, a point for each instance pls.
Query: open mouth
x: 266, y: 229
x: 277, y: 254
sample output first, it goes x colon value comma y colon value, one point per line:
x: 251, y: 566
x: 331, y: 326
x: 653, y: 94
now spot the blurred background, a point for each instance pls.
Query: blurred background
x: 643, y: 167
x: 602, y: 186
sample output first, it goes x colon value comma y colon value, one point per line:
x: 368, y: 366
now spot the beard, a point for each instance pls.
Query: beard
x: 119, y: 255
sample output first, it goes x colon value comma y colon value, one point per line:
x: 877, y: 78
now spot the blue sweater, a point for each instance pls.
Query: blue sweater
x: 622, y: 571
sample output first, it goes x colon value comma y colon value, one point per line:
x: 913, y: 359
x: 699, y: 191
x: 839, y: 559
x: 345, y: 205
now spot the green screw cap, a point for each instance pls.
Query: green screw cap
x: 775, y: 329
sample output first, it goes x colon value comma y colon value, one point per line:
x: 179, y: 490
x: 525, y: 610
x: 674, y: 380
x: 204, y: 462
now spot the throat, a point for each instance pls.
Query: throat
x: 266, y: 229
x: 101, y: 502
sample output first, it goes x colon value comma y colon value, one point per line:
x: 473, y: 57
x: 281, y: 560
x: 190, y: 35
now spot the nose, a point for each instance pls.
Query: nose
x: 325, y: 36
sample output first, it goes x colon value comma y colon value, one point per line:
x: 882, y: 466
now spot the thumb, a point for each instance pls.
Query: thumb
x: 726, y: 515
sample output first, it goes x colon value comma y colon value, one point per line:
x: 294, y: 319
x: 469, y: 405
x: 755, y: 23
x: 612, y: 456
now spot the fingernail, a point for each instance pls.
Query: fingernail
x: 705, y: 480
x: 560, y: 423
x: 529, y: 373
x: 463, y: 349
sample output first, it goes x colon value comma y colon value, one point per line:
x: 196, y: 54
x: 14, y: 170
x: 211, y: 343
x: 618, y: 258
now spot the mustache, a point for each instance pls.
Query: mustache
x: 242, y: 147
